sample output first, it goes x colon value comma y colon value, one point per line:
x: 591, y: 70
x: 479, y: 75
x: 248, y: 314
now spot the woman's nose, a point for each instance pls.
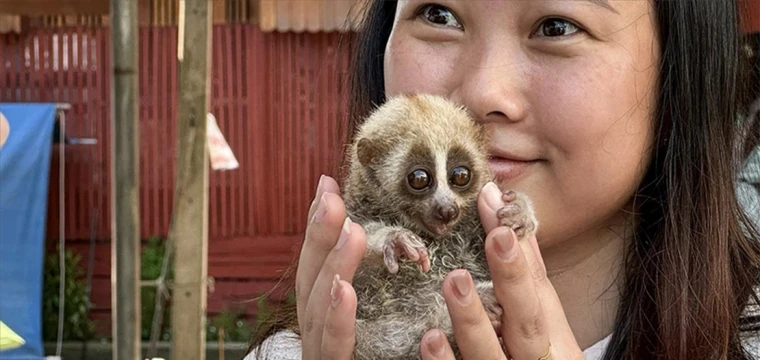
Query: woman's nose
x: 492, y: 84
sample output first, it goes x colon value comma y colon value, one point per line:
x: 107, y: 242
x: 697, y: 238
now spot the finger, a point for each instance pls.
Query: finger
x: 339, y: 334
x: 473, y: 330
x: 435, y: 346
x: 411, y: 253
x: 325, y: 184
x: 342, y: 260
x: 560, y: 331
x: 489, y: 202
x: 524, y: 325
x: 326, y: 218
x: 536, y: 253
x: 424, y: 259
x: 389, y: 257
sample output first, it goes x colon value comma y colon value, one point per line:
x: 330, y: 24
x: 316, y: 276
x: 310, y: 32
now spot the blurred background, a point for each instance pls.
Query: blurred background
x: 277, y: 92
x: 277, y: 79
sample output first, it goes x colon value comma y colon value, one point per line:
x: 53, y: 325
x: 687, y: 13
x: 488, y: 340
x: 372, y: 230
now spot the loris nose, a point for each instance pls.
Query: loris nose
x: 447, y: 213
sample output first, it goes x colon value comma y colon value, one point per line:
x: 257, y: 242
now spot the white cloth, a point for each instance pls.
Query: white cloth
x: 748, y: 186
x: 287, y: 346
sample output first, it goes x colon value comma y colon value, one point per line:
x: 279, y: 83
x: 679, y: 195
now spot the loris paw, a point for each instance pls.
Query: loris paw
x: 404, y: 244
x: 490, y: 304
x: 517, y: 214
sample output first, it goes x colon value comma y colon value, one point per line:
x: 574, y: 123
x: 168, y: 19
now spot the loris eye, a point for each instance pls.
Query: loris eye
x: 460, y: 176
x: 418, y: 179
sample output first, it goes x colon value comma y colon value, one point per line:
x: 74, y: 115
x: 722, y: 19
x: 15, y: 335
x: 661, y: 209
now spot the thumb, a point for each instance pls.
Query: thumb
x: 489, y: 201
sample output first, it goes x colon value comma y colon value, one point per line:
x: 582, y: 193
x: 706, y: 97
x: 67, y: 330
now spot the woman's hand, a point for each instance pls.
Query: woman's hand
x: 327, y: 303
x: 532, y: 319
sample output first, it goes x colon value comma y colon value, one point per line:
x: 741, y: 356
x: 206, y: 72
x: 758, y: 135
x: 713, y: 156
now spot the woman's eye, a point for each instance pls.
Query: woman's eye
x: 554, y: 27
x: 439, y: 15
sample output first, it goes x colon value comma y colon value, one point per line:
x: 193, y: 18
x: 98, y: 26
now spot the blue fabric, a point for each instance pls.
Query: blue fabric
x: 24, y: 178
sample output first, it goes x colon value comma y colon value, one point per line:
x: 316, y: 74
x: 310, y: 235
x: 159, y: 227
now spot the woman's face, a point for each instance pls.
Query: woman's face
x: 566, y: 88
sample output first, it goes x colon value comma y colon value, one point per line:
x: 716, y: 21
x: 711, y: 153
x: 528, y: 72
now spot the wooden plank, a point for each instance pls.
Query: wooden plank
x: 171, y: 120
x: 10, y: 23
x: 236, y: 128
x: 102, y: 319
x: 256, y: 148
x: 315, y: 17
x: 101, y: 260
x: 125, y: 181
x: 143, y: 12
x: 249, y: 268
x: 220, y: 11
x: 243, y: 295
x: 189, y: 232
x: 268, y: 15
x: 100, y: 293
x: 60, y: 7
x: 155, y: 50
x: 103, y: 83
x: 229, y: 79
x: 218, y: 82
x: 750, y: 18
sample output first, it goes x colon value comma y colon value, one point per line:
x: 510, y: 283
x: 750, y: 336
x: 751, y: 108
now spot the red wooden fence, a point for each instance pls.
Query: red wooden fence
x: 276, y: 97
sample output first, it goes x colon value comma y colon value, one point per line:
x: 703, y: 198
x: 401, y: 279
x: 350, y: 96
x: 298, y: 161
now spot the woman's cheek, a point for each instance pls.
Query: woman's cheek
x: 589, y: 103
x: 596, y: 134
x: 414, y: 66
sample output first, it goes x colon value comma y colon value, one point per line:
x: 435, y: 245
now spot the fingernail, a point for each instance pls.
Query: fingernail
x: 435, y: 344
x: 336, y: 292
x: 493, y: 196
x: 320, y: 183
x: 321, y: 210
x: 344, y: 233
x: 462, y: 286
x: 318, y: 193
x: 505, y: 245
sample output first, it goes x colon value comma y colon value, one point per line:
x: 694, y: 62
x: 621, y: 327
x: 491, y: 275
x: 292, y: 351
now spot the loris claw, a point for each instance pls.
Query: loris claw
x: 517, y: 214
x: 404, y: 243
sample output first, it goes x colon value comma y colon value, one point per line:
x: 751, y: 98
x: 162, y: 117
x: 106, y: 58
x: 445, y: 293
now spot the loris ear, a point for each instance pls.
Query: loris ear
x: 368, y: 151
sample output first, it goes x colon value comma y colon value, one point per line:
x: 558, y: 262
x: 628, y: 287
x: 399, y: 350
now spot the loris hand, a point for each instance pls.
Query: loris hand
x: 533, y: 324
x: 327, y: 304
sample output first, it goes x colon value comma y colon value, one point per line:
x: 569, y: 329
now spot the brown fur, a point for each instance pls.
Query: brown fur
x: 395, y: 308
x: 398, y: 301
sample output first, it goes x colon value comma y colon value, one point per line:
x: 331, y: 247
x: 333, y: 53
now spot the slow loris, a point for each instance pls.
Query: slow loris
x: 417, y: 165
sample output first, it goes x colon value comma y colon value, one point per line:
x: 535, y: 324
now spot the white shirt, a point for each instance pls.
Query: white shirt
x: 287, y: 346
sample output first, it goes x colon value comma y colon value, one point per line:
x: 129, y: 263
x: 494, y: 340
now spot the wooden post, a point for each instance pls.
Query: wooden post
x: 58, y: 7
x: 189, y: 231
x: 125, y: 186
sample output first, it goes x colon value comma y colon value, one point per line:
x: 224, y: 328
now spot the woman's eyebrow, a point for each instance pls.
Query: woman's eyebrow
x: 605, y: 4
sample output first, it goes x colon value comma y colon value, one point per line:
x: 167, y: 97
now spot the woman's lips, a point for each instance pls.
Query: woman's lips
x: 507, y: 169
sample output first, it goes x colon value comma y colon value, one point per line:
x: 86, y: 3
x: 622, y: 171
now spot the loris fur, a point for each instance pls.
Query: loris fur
x: 416, y: 167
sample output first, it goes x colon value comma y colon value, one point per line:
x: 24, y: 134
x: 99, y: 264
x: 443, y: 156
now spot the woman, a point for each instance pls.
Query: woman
x: 616, y: 117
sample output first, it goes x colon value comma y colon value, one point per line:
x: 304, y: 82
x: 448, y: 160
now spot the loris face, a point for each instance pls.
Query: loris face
x: 424, y: 161
x: 429, y: 184
x: 436, y: 188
